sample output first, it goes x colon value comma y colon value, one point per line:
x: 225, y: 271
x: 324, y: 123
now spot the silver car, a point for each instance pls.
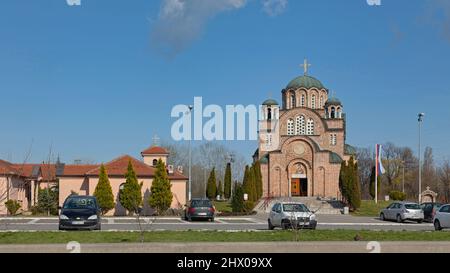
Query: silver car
x: 442, y: 218
x: 402, y: 211
x: 291, y: 215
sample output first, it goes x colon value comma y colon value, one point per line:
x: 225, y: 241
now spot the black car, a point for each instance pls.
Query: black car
x: 200, y: 208
x: 80, y: 212
x: 429, y: 210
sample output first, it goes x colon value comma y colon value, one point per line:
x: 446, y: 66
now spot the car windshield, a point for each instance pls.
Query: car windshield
x: 412, y: 206
x: 201, y: 203
x: 80, y: 203
x: 295, y: 208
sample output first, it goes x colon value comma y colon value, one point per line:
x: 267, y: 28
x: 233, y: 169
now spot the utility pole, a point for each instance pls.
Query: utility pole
x: 421, y: 116
x: 190, y: 157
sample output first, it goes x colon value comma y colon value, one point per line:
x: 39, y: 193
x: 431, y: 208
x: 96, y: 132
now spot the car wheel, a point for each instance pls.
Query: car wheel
x: 382, y: 217
x: 399, y: 219
x: 271, y: 227
x: 437, y: 225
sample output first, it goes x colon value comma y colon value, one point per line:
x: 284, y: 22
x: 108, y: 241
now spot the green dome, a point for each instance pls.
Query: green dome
x: 270, y: 102
x: 333, y: 101
x: 306, y: 82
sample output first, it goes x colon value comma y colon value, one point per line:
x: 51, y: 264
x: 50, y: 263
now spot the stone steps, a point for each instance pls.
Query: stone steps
x: 325, y: 206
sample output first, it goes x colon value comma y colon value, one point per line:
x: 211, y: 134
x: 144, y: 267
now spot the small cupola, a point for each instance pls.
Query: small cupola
x: 333, y: 108
x: 270, y: 109
x: 153, y: 154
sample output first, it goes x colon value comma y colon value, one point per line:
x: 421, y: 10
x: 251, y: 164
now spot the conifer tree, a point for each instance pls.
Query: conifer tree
x: 237, y: 201
x: 161, y: 193
x: 227, y: 181
x: 131, y: 195
x: 103, y: 192
x: 372, y: 183
x: 259, y: 183
x: 211, y: 189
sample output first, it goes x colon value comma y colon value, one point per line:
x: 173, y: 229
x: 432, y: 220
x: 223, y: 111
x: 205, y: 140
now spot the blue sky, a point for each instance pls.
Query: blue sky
x: 99, y: 80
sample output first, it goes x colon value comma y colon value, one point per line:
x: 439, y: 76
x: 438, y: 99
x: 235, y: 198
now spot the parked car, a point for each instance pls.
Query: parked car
x: 200, y: 208
x: 291, y: 215
x: 80, y: 212
x: 429, y: 210
x: 442, y: 218
x: 402, y: 211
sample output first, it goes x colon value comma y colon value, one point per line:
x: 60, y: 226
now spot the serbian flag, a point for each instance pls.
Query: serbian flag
x: 379, y: 165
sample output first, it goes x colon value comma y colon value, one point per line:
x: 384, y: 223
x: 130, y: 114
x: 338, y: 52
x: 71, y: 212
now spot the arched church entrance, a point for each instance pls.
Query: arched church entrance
x: 299, y: 181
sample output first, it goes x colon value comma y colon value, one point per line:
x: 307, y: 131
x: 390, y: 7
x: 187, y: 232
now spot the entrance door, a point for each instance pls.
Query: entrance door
x: 295, y: 187
x: 304, y: 187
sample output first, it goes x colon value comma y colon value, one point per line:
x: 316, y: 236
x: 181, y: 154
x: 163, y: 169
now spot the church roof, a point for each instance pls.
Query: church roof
x: 305, y: 82
x: 333, y: 101
x: 335, y: 158
x: 155, y: 150
x: 349, y: 150
x: 270, y: 102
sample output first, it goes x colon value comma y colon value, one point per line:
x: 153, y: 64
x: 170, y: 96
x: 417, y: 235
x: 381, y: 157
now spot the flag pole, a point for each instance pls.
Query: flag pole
x: 376, y: 173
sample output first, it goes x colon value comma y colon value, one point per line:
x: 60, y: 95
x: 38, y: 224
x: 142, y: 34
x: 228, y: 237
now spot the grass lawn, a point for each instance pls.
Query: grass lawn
x: 216, y: 236
x: 222, y: 206
x: 369, y: 208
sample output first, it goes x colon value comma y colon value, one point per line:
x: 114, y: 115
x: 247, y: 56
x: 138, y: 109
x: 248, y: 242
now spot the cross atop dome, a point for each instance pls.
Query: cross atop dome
x: 156, y: 140
x: 305, y: 66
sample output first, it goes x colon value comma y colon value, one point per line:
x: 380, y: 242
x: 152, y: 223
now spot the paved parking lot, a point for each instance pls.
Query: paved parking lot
x: 220, y: 223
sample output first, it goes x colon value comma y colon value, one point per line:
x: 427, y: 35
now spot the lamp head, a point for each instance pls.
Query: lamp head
x: 421, y: 116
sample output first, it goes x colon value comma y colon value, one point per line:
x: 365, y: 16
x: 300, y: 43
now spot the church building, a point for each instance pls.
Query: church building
x: 302, y: 155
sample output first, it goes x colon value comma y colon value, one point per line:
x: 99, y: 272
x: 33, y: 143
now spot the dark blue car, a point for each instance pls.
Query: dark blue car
x: 80, y: 212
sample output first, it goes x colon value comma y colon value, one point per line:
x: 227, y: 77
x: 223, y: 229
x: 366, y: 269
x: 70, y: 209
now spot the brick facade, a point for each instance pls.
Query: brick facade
x: 298, y: 153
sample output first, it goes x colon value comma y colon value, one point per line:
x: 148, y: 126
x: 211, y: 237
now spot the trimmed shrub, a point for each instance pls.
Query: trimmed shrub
x: 12, y: 206
x: 397, y: 196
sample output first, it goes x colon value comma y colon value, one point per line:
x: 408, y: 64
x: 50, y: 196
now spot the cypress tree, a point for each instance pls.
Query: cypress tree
x: 343, y: 181
x: 131, y: 195
x: 246, y: 185
x: 258, y: 177
x: 220, y: 189
x: 237, y: 201
x: 254, y: 190
x: 227, y: 181
x: 357, y: 187
x: 211, y: 189
x: 103, y: 192
x: 161, y: 193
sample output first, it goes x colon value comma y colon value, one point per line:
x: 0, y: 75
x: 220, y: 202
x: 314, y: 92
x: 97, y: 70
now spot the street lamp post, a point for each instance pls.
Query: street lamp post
x: 403, y: 180
x: 420, y: 120
x: 190, y: 157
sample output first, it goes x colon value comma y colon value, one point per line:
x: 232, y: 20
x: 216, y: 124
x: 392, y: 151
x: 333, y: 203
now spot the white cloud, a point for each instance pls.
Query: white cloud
x: 180, y: 22
x: 274, y: 7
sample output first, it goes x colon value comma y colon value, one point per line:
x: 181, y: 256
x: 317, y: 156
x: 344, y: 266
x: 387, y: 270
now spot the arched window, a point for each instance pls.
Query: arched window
x: 333, y: 139
x: 269, y: 113
x: 313, y: 102
x: 303, y: 101
x: 290, y: 127
x: 339, y: 112
x: 300, y: 127
x: 292, y: 101
x: 321, y: 102
x: 155, y: 162
x: 310, y: 127
x: 333, y: 113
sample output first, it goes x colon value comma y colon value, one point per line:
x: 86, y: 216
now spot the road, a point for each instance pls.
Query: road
x: 220, y: 223
x: 220, y: 247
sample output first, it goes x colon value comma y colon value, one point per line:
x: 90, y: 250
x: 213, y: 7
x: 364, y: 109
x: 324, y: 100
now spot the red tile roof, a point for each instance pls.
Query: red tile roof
x: 7, y: 168
x: 155, y: 150
x: 77, y: 170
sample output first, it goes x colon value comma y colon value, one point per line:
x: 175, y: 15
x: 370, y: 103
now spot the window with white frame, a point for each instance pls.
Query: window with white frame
x: 310, y: 127
x: 269, y: 140
x: 321, y: 101
x: 333, y: 139
x: 300, y: 126
x: 313, y: 102
x: 303, y: 101
x: 290, y: 127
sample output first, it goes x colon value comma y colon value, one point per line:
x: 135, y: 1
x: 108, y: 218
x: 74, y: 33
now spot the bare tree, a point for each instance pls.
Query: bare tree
x: 365, y: 158
x: 444, y: 179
